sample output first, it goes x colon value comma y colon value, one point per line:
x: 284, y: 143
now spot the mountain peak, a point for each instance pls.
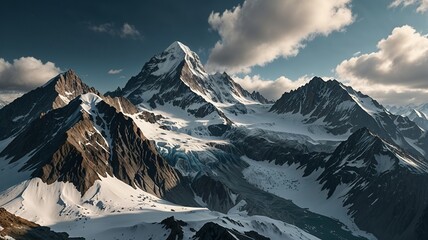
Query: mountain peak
x: 178, y: 46
x: 56, y: 93
x: 177, y: 76
x: 320, y: 83
x: 179, y: 51
x: 70, y: 72
x: 317, y: 79
x: 67, y: 77
x: 172, y: 59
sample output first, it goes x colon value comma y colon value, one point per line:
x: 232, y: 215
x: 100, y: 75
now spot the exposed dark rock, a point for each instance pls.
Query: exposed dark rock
x: 257, y: 96
x: 422, y: 226
x: 116, y: 93
x: 150, y: 117
x: 263, y: 146
x: 203, y: 111
x: 213, y: 231
x: 176, y: 228
x: 121, y: 104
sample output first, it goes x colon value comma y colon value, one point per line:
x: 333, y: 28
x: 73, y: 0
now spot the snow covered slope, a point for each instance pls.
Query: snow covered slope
x: 111, y: 209
x: 14, y: 227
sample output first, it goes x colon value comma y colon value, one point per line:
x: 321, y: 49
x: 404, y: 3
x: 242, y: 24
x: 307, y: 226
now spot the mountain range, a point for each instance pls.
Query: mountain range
x: 180, y: 153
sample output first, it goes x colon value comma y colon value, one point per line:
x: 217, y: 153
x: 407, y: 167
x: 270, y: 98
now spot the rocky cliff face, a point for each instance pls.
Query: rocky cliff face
x: 214, y: 193
x: 57, y: 93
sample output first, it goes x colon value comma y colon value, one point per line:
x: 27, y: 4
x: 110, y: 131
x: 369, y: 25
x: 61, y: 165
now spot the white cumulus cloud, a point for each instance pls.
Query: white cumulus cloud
x: 25, y: 73
x: 397, y: 72
x: 260, y: 31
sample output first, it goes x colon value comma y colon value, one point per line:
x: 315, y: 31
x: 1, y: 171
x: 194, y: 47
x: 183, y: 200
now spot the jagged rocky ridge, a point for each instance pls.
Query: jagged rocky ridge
x: 57, y: 93
x: 342, y: 110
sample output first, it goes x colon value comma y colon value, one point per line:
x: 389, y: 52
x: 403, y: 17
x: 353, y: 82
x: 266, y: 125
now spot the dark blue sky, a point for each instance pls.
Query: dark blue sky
x: 59, y: 31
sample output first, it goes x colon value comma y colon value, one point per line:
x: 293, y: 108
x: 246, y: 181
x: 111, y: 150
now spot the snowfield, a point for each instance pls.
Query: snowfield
x: 112, y: 209
x: 288, y: 182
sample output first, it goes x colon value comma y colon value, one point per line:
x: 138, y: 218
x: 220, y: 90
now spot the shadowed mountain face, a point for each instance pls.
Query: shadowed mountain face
x: 214, y: 193
x: 385, y: 186
x: 213, y: 231
x: 57, y: 93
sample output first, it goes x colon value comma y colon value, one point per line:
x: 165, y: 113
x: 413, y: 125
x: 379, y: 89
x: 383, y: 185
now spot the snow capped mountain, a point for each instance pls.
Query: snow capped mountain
x: 342, y: 110
x: 56, y: 93
x: 86, y: 139
x: 407, y: 110
x: 177, y: 77
x: 418, y: 114
x: 82, y: 159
